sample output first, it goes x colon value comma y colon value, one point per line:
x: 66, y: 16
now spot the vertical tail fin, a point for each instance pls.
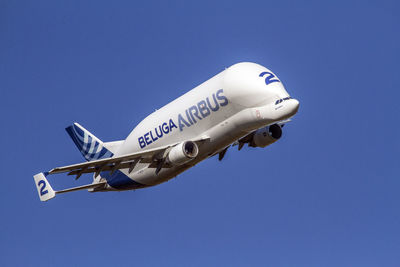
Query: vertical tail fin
x: 91, y: 147
x: 44, y: 189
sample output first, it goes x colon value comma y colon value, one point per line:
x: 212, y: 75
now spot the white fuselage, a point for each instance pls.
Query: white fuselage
x: 225, y: 108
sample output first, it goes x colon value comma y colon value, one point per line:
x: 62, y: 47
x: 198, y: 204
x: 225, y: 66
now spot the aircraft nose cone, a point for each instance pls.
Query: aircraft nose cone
x: 292, y: 106
x: 295, y: 105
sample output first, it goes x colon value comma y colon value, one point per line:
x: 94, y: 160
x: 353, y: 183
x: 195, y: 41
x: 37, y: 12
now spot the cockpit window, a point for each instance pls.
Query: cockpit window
x: 281, y: 100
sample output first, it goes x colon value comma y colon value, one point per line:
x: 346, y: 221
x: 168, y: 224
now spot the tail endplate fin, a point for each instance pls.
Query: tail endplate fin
x: 91, y: 147
x: 43, y: 187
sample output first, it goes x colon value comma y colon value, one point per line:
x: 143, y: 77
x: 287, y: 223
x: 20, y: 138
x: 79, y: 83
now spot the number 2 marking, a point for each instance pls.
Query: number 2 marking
x: 270, y: 78
x: 43, y: 184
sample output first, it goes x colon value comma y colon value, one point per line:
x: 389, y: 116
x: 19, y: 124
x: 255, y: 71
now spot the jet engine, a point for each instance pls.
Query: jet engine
x: 266, y: 136
x: 182, y: 153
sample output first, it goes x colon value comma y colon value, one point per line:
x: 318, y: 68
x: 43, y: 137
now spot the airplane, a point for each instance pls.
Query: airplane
x: 244, y: 104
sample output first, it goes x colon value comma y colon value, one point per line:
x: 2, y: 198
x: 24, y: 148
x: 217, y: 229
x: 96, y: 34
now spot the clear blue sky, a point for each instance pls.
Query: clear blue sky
x: 326, y: 194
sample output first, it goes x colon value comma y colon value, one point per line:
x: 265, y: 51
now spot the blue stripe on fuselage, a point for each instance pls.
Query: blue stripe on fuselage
x: 121, y: 181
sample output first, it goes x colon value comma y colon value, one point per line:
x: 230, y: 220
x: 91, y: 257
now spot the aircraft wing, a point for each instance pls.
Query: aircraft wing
x: 154, y: 156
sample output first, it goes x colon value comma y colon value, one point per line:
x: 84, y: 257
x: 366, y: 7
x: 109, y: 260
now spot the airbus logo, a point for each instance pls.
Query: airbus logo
x: 189, y: 117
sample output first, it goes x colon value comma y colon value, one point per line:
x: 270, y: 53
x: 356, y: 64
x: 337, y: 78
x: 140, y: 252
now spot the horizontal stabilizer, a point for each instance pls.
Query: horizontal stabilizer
x: 89, y: 186
x: 46, y: 192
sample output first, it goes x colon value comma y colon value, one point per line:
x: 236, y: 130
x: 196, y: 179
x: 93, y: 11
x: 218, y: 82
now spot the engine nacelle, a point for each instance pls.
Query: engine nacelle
x: 266, y: 136
x: 182, y: 153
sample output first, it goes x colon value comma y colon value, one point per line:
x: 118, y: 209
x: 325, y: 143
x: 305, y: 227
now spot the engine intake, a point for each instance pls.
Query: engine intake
x: 182, y: 153
x: 266, y: 136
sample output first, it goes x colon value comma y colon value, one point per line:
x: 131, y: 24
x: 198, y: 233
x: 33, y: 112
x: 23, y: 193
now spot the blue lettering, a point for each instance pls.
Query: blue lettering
x: 195, y: 113
x: 222, y: 97
x: 216, y: 104
x: 165, y: 128
x: 159, y: 135
x: 171, y: 124
x: 141, y: 142
x: 181, y: 125
x: 42, y: 183
x: 147, y: 138
x: 270, y: 77
x: 188, y: 117
x: 152, y: 138
x: 204, y: 110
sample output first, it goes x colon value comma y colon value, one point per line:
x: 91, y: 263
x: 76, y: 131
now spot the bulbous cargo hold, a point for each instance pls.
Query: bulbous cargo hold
x: 252, y: 85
